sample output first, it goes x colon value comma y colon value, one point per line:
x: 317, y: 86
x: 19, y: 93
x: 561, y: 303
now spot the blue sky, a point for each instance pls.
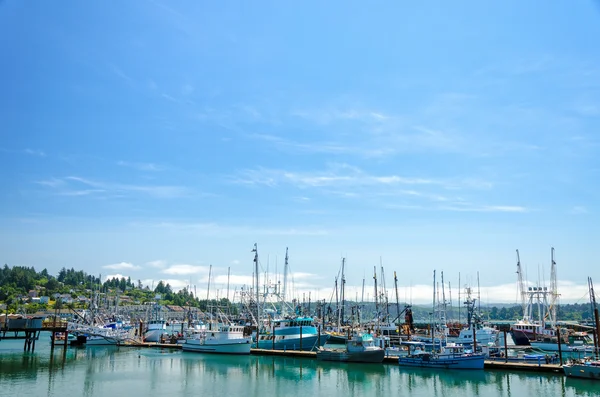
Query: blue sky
x: 153, y: 139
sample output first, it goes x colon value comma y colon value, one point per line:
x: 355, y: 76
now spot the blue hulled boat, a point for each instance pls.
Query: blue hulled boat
x: 449, y: 357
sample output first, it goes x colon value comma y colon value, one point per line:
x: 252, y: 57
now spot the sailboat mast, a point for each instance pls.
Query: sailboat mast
x: 255, y: 250
x: 459, y: 302
x: 228, y: 275
x: 397, y: 298
x: 376, y: 301
x: 553, y: 289
x: 208, y: 289
x: 285, y: 272
x: 521, y: 287
x: 433, y: 316
x: 596, y: 320
x: 343, y: 290
x: 443, y: 298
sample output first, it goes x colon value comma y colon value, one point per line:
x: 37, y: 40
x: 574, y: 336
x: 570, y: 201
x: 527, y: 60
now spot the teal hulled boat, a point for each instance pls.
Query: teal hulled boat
x: 298, y: 333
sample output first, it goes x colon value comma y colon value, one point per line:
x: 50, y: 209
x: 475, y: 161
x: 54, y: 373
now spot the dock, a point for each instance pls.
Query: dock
x: 393, y: 360
x: 29, y: 331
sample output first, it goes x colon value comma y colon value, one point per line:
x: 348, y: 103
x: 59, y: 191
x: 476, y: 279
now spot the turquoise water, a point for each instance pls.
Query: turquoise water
x: 145, y: 372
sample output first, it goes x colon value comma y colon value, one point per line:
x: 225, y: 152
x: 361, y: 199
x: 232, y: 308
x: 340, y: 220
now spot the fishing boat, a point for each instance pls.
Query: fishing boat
x: 281, y: 327
x: 360, y: 349
x: 588, y: 369
x: 294, y: 333
x: 573, y: 341
x: 218, y: 338
x: 542, y: 298
x: 442, y: 354
x: 484, y: 335
x: 451, y: 356
x: 154, y: 330
x: 96, y: 335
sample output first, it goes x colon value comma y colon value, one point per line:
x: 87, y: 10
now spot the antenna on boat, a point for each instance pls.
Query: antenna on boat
x: 459, y: 302
x: 397, y: 298
x: 228, y: 275
x: 478, y: 295
x: 285, y: 272
x: 255, y: 250
x: 521, y: 286
x: 208, y: 289
x: 343, y: 289
x: 595, y: 310
x: 553, y: 288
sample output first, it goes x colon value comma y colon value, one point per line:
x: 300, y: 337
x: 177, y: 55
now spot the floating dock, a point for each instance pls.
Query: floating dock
x: 489, y: 364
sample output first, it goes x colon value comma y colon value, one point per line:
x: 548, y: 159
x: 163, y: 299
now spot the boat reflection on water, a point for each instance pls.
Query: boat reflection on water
x: 217, y: 365
x: 443, y: 380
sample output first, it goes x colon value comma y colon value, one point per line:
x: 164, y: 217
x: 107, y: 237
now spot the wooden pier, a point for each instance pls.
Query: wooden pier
x: 29, y: 331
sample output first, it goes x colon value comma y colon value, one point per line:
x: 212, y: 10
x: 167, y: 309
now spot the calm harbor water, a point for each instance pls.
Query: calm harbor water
x: 128, y: 371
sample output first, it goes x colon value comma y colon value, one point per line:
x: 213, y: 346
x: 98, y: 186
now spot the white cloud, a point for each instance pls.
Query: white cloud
x: 122, y: 266
x: 118, y: 276
x: 185, y: 269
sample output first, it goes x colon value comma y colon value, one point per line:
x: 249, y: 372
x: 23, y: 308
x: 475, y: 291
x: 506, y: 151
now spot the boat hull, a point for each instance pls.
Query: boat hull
x: 369, y: 356
x: 307, y: 343
x: 101, y: 341
x: 582, y: 371
x: 153, y: 335
x: 233, y: 346
x: 442, y: 362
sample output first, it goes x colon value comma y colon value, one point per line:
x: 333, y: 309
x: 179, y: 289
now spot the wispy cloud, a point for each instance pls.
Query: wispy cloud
x: 141, y: 166
x: 578, y: 210
x: 122, y: 266
x: 340, y: 174
x: 117, y: 71
x: 418, y: 192
x: 35, y: 152
x: 71, y: 186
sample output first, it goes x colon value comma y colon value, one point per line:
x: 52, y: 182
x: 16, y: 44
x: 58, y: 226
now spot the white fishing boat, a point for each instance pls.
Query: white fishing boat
x: 222, y: 338
x: 155, y: 329
x: 99, y: 335
x: 360, y: 349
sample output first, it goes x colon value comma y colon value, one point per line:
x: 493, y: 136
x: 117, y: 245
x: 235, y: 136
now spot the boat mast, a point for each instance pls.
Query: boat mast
x: 208, y: 289
x: 443, y: 317
x: 596, y: 320
x: 343, y: 293
x: 397, y: 298
x: 285, y: 272
x: 521, y: 288
x: 228, y: 275
x: 433, y: 316
x: 553, y: 289
x: 255, y: 250
x: 362, y: 300
x: 459, y: 302
x: 383, y: 293
x: 376, y: 300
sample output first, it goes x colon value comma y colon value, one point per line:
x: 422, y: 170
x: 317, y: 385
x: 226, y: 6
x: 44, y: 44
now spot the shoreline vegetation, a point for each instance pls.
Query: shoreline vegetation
x: 26, y: 291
